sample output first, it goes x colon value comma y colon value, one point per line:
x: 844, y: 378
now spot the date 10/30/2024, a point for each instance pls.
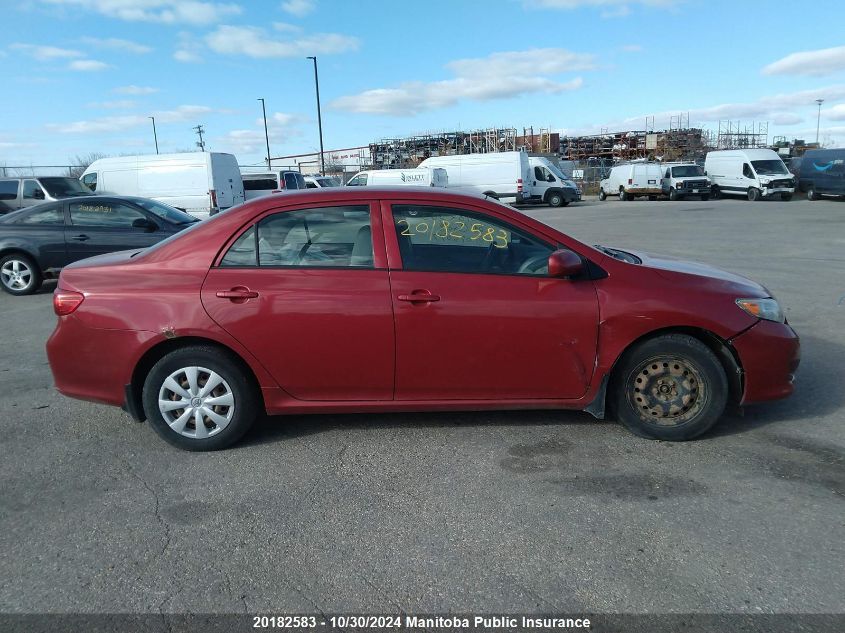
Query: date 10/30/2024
x: 438, y: 229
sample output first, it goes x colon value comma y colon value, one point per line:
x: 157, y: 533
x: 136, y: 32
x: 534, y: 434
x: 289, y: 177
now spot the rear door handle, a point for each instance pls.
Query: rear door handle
x: 80, y: 238
x: 237, y: 293
x: 421, y: 296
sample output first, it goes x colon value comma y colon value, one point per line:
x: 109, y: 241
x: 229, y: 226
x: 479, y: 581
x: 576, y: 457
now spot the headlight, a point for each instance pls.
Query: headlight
x: 768, y: 309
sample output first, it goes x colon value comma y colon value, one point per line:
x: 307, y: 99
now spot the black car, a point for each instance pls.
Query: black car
x: 38, y: 241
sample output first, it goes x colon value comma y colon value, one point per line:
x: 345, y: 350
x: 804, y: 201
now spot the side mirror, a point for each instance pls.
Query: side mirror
x: 551, y: 178
x: 565, y: 263
x: 38, y: 194
x: 143, y: 223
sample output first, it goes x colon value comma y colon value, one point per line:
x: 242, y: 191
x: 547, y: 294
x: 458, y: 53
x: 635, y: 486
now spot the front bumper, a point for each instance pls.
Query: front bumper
x: 769, y: 353
x: 776, y: 191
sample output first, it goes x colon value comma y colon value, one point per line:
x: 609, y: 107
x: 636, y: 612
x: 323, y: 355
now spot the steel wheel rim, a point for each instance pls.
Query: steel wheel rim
x: 16, y: 274
x: 667, y: 390
x: 196, y: 402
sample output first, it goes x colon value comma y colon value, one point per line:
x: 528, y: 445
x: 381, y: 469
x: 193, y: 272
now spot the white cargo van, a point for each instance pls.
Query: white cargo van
x: 264, y: 183
x: 751, y: 173
x: 499, y: 175
x: 685, y: 179
x: 548, y: 183
x: 201, y: 183
x: 390, y: 177
x: 633, y: 180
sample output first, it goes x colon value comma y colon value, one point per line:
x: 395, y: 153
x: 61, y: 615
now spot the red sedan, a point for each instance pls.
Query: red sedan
x: 370, y: 300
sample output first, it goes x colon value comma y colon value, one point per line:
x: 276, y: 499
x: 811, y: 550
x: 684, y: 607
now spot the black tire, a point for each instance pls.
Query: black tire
x: 673, y: 194
x: 716, y: 192
x: 674, y: 378
x: 246, y: 400
x: 812, y: 195
x: 602, y: 195
x: 786, y: 197
x: 753, y: 194
x: 705, y: 197
x: 555, y: 200
x: 624, y: 196
x: 19, y: 274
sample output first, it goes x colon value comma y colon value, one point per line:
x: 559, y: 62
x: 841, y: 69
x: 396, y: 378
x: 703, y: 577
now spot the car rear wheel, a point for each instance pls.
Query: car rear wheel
x: 753, y: 194
x: 715, y: 192
x: 602, y: 194
x: 19, y: 275
x: 624, y: 196
x: 669, y: 388
x: 199, y: 399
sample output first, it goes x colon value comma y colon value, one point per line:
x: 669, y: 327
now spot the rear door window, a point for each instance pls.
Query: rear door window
x: 9, y: 189
x: 266, y: 183
x: 290, y: 180
x: 104, y: 214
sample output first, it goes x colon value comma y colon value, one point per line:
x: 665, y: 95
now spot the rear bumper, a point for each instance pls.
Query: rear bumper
x: 644, y: 191
x: 770, y: 353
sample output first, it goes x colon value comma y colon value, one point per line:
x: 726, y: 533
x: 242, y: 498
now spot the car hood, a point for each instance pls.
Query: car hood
x: 707, y: 277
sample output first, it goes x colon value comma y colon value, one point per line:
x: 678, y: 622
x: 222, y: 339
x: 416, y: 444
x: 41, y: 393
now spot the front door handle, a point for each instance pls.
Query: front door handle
x: 419, y: 296
x: 238, y: 294
x: 80, y: 238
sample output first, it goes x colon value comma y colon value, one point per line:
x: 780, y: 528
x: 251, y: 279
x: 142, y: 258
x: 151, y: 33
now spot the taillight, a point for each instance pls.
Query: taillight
x: 630, y: 181
x: 519, y: 185
x: 66, y: 301
x: 213, y: 194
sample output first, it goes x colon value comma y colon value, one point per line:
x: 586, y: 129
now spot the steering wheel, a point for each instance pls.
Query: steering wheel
x: 531, y: 265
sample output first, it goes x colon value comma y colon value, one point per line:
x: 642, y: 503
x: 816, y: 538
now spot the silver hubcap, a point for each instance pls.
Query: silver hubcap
x: 16, y: 274
x: 196, y: 402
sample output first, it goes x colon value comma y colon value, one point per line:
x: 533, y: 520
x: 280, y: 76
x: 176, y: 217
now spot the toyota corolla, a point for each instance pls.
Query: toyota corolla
x: 377, y: 300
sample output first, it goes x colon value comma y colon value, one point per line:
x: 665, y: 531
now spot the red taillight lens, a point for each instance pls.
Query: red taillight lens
x: 519, y: 185
x: 213, y: 195
x: 66, y: 301
x: 630, y: 181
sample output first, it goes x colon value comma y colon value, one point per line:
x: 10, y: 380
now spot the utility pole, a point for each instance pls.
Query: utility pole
x: 198, y: 129
x: 319, y: 117
x: 818, y: 118
x: 155, y: 138
x: 266, y: 135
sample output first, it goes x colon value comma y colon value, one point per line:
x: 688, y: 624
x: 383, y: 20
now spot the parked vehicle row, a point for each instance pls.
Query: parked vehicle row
x: 460, y: 303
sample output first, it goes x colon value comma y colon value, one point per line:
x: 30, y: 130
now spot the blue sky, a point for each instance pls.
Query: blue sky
x: 82, y: 76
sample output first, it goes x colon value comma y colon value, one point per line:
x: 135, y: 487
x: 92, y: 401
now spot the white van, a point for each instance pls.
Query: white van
x: 548, y: 183
x: 200, y: 183
x: 264, y: 183
x: 633, y: 180
x: 752, y: 173
x: 389, y: 177
x: 320, y: 182
x: 685, y: 179
x: 499, y: 175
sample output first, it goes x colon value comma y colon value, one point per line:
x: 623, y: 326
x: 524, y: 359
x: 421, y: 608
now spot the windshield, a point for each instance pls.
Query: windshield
x: 164, y: 211
x: 555, y: 170
x: 327, y: 182
x: 686, y: 171
x: 769, y: 166
x: 64, y: 187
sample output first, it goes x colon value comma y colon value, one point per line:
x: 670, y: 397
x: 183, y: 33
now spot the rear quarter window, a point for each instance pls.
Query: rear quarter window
x: 8, y: 189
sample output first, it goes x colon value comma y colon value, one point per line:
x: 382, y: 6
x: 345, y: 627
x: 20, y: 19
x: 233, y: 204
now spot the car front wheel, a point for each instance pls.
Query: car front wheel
x: 753, y: 194
x: 555, y: 200
x: 19, y: 275
x: 669, y: 388
x: 199, y: 399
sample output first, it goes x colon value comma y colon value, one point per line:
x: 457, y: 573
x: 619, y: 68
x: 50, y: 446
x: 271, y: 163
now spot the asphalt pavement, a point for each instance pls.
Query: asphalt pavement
x: 529, y: 512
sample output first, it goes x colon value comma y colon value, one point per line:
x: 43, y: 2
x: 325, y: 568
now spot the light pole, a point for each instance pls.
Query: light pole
x: 818, y: 118
x: 155, y: 138
x: 319, y: 117
x: 266, y: 135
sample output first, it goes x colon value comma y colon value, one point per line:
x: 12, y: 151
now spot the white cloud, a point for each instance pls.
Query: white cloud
x: 87, y: 65
x: 785, y: 118
x: 46, y: 53
x: 298, y: 8
x: 254, y: 42
x: 284, y: 27
x: 121, y: 123
x: 196, y: 12
x: 497, y: 76
x: 117, y: 44
x: 134, y: 90
x: 189, y: 49
x: 836, y: 113
x: 280, y: 129
x: 825, y: 61
x: 186, y: 56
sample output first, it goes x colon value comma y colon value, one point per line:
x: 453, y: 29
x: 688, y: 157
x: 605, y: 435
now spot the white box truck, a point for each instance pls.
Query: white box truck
x: 751, y: 173
x: 391, y: 177
x: 200, y: 183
